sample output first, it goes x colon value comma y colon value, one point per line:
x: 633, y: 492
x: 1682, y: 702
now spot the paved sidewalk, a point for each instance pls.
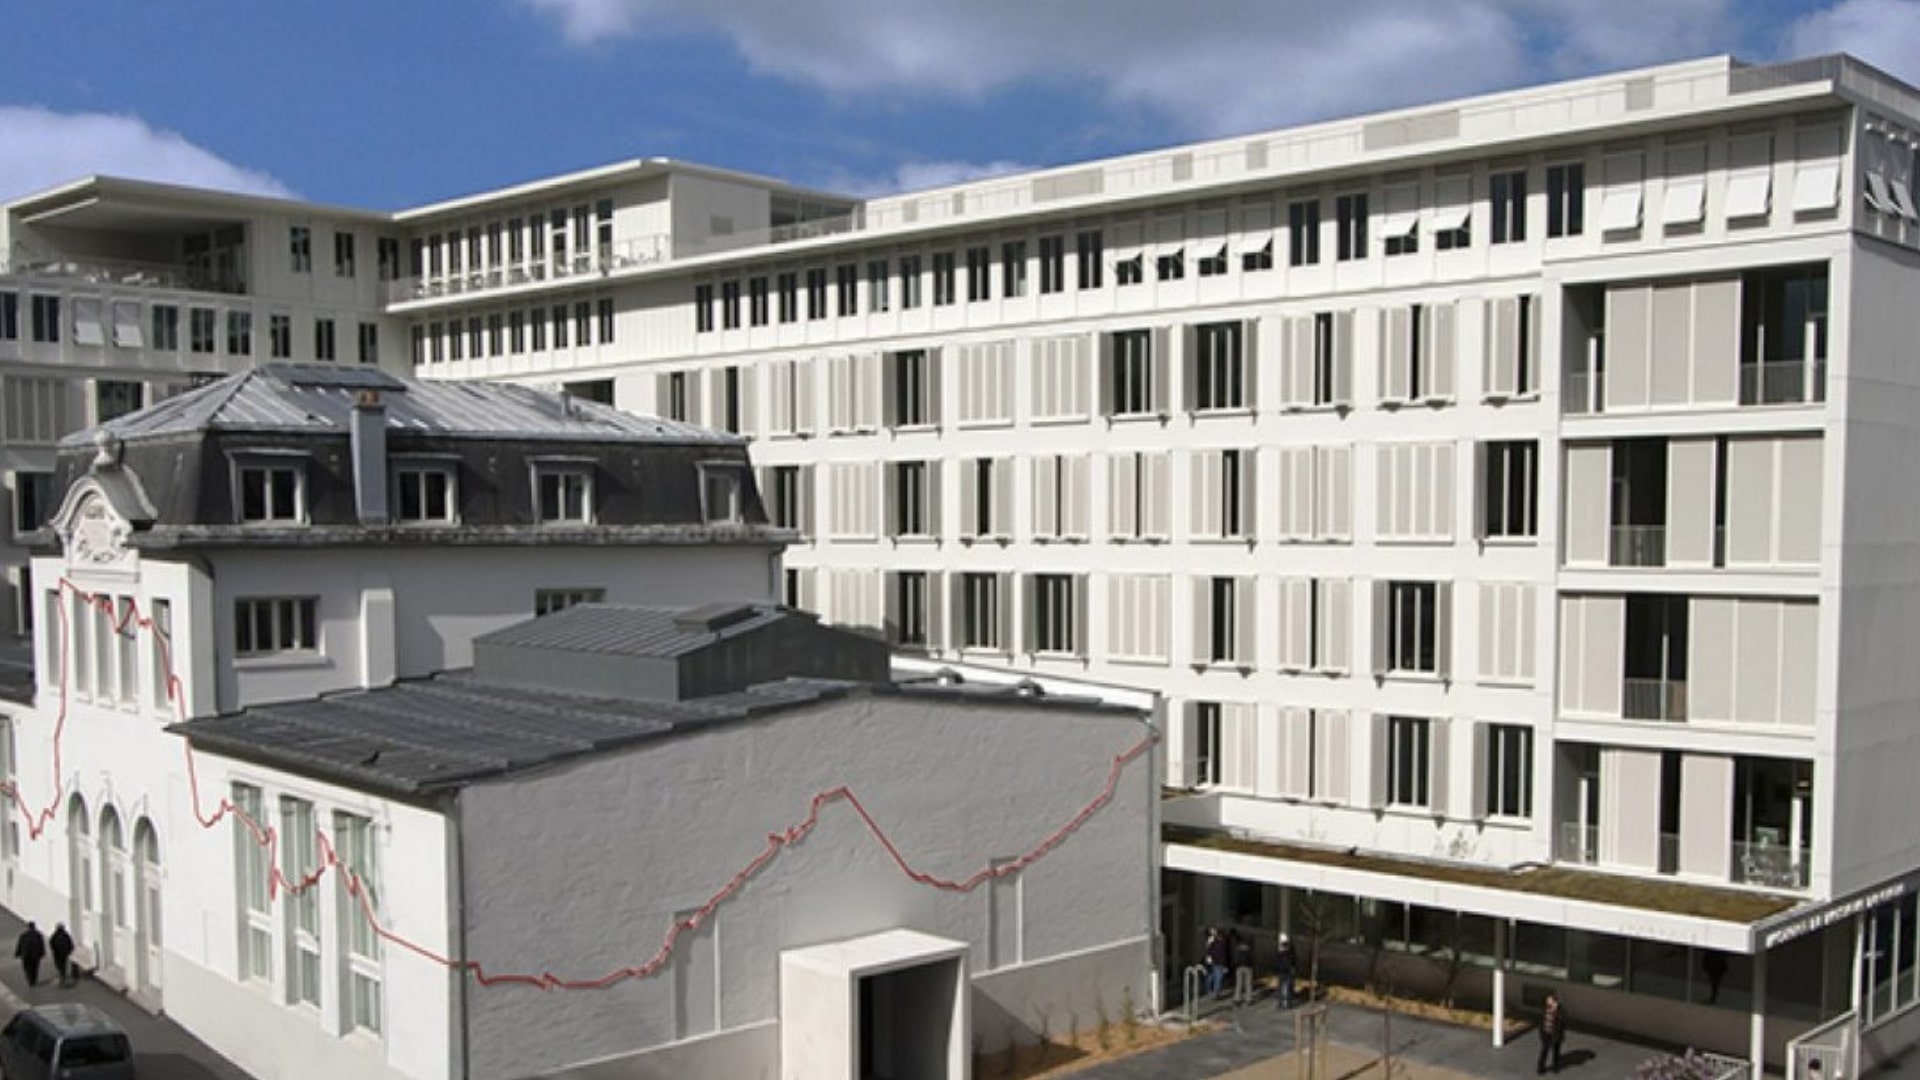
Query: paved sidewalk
x: 162, y: 1049
x: 1252, y: 1037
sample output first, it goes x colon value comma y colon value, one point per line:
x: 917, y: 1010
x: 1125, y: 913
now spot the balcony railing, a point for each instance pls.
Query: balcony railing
x: 128, y: 272
x: 1783, y: 382
x: 1769, y: 864
x: 1579, y: 843
x: 1654, y: 699
x: 1638, y: 545
x: 634, y: 252
x: 1580, y: 392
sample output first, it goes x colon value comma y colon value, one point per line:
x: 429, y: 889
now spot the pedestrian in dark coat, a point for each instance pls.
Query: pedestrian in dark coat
x: 1553, y: 1029
x: 61, y: 945
x: 30, y: 948
x: 1284, y: 965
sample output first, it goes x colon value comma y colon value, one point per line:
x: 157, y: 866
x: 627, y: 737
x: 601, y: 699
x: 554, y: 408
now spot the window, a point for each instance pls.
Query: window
x: 201, y: 329
x: 300, y: 856
x: 757, y: 309
x: 703, y: 308
x: 909, y: 282
x: 847, y: 289
x: 790, y: 385
x: 1318, y: 368
x: 369, y: 343
x: 239, y: 333
x: 166, y: 327
x: 582, y: 323
x: 323, y: 339
x: 300, y: 249
x: 721, y: 492
x: 1061, y: 384
x: 280, y: 336
x: 1565, y: 198
x: 1223, y: 494
x: 1170, y: 265
x: 9, y: 316
x: 913, y: 389
x: 1314, y: 757
x: 46, y: 319
x: 116, y: 397
x: 1213, y: 261
x: 272, y: 494
x: 729, y: 305
x: 1130, y: 270
x: 1509, y: 477
x: 126, y: 632
x: 1138, y: 496
x: 32, y: 500
x: 877, y: 299
x: 516, y: 331
x: 985, y: 378
x: 1139, y: 613
x: 732, y: 401
x: 1057, y: 617
x: 1507, y: 193
x: 265, y: 626
x: 1453, y: 213
x: 853, y: 500
x: 1208, y: 743
x: 160, y: 644
x: 387, y: 251
x: 1303, y: 232
x: 1090, y: 253
x: 1414, y: 483
x: 1417, y: 353
x: 1400, y: 224
x: 1409, y: 761
x: 1316, y: 616
x: 911, y: 608
x: 1411, y: 629
x: 548, y: 601
x: 1053, y: 264
x: 1783, y: 335
x: 343, y: 254
x: 559, y: 314
x: 1506, y: 625
x: 788, y: 284
x: 1350, y: 227
x: 855, y: 387
x: 1060, y: 497
x: 1013, y: 268
x: 1133, y: 374
x: 979, y: 273
x: 1220, y: 373
x: 39, y: 410
x: 944, y: 278
x: 252, y: 861
x: 789, y: 495
x: 564, y: 494
x: 358, y: 854
x: 603, y: 314
x: 424, y: 494
x: 1223, y: 620
x: 984, y: 611
x: 817, y: 292
x: 912, y: 499
x: 1513, y: 347
x: 1508, y: 769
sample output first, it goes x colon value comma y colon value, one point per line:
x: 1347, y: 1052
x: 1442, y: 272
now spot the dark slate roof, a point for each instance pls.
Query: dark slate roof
x: 16, y: 669
x: 418, y: 738
x: 658, y: 633
x: 319, y: 398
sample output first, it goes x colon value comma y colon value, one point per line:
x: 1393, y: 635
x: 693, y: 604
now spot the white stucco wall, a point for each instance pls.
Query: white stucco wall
x: 581, y: 871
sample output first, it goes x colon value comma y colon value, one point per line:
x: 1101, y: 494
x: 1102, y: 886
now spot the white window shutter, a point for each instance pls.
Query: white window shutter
x: 1296, y: 624
x: 839, y: 394
x: 804, y: 377
x: 1343, y: 358
x: 1443, y: 481
x: 1440, y: 343
x: 1074, y: 496
x: 1246, y: 614
x: 1250, y: 493
x: 1123, y: 481
x: 1296, y: 378
x: 1003, y: 497
x: 1046, y: 517
x: 1380, y: 629
x: 1182, y: 744
x: 936, y: 386
x: 1161, y: 363
x: 1029, y: 622
x: 1439, y: 742
x: 1155, y: 498
x: 1480, y: 795
x: 749, y: 383
x: 1189, y: 368
x: 867, y: 392
x: 969, y: 497
x: 780, y: 398
x: 1200, y: 642
x: 1105, y: 373
x: 890, y: 607
x: 936, y: 610
x: 936, y: 471
x: 1204, y: 492
x: 1296, y: 751
x: 714, y: 381
x: 1335, y: 767
x: 1501, y: 369
x: 1252, y: 361
x: 1396, y: 353
x: 662, y: 394
x: 1335, y: 632
x: 1290, y: 527
x: 1082, y: 613
x: 1378, y: 760
x: 1387, y: 481
x: 1443, y: 629
x: 1003, y: 591
x: 1335, y: 485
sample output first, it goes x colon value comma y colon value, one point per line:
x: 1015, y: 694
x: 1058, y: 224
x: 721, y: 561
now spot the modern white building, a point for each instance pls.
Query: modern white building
x: 1505, y: 493
x: 308, y: 773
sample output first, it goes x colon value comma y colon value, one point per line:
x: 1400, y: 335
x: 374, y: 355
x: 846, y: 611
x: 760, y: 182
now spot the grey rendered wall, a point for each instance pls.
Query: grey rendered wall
x: 581, y: 871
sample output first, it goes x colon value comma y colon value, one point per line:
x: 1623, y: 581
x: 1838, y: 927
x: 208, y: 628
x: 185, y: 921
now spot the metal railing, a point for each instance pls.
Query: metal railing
x: 1579, y: 843
x: 637, y: 251
x: 1827, y: 1052
x: 1772, y: 865
x: 1638, y: 545
x: 1581, y: 392
x: 1653, y: 699
x: 142, y: 275
x: 1783, y: 382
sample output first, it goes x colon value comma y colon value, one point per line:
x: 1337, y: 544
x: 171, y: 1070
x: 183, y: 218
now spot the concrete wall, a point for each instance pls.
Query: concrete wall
x: 642, y: 837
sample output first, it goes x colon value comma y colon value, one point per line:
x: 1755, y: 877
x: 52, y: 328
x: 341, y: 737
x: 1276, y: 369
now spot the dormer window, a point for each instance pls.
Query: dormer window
x: 272, y: 492
x: 563, y: 493
x: 720, y: 494
x: 424, y: 495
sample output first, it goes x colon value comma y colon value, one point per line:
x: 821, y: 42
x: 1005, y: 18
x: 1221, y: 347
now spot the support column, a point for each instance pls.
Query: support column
x: 1757, y: 1033
x: 1499, y: 983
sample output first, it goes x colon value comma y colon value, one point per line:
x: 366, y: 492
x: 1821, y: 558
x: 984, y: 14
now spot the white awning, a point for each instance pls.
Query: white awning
x: 1451, y: 217
x: 86, y: 323
x: 1685, y: 202
x: 1750, y: 193
x: 1400, y: 225
x: 1878, y: 196
x: 1620, y: 208
x: 1903, y: 200
x: 126, y: 325
x: 1816, y: 185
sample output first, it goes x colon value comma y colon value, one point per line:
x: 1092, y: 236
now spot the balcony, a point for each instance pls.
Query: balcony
x: 638, y: 251
x: 1769, y: 864
x: 1579, y: 843
x: 1654, y: 699
x: 1783, y: 382
x: 130, y: 273
x: 1637, y: 545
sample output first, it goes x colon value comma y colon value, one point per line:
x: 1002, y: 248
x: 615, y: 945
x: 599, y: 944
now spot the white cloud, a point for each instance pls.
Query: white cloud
x: 918, y: 176
x: 1885, y: 33
x: 44, y: 148
x: 1213, y: 68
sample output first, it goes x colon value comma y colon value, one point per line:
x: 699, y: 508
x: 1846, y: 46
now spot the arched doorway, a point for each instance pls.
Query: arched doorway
x: 114, y: 927
x: 79, y: 871
x: 146, y: 899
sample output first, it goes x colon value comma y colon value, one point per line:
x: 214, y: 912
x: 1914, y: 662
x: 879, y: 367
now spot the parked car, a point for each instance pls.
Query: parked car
x: 68, y: 1041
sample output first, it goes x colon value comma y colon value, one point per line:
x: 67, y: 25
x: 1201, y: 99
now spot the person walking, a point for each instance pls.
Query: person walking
x: 1553, y: 1029
x: 31, y: 946
x: 61, y: 945
x: 1216, y: 956
x: 1283, y: 969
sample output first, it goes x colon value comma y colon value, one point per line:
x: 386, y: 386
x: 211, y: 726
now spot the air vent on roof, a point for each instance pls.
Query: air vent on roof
x: 712, y: 618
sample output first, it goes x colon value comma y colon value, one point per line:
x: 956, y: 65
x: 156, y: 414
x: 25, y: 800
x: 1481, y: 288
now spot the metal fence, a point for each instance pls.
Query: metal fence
x: 1828, y: 1052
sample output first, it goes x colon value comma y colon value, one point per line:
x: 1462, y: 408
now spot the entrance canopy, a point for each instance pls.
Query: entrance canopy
x: 868, y: 1008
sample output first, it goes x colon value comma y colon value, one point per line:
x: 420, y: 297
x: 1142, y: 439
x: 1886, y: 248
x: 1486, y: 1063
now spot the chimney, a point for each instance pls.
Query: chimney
x: 369, y: 437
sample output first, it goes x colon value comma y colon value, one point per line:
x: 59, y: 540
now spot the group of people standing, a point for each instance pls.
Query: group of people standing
x: 33, y: 947
x: 1224, y: 950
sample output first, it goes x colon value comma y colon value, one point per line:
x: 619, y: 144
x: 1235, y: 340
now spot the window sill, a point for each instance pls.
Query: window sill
x: 1054, y: 421
x: 1521, y: 398
x: 289, y: 662
x: 1114, y: 419
x: 1138, y: 661
x: 1331, y: 407
x: 1324, y: 541
x: 1504, y: 684
x: 1223, y: 541
x: 1055, y: 539
x: 914, y: 429
x: 1414, y: 541
x: 1235, y: 666
x: 990, y: 424
x: 1226, y: 413
x: 1510, y: 541
x: 1058, y: 655
x: 1433, y: 678
x: 1003, y: 541
x: 1138, y: 539
x: 915, y: 540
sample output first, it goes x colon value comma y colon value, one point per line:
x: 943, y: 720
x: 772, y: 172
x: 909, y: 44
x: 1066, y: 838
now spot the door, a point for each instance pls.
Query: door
x: 146, y: 897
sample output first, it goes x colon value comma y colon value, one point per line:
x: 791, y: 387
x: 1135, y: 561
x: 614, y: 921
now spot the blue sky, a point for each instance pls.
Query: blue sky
x: 392, y: 103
